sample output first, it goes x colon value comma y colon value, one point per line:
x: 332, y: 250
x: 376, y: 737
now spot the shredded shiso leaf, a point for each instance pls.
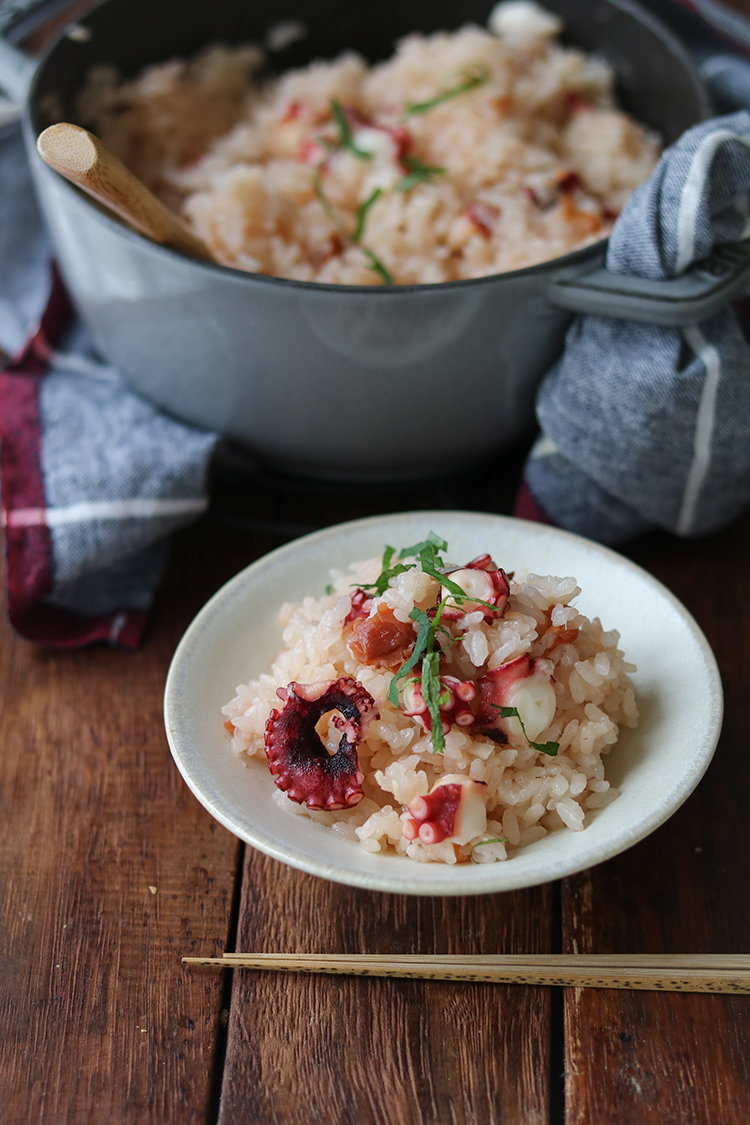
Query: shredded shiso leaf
x: 481, y: 843
x: 473, y: 76
x: 426, y: 647
x: 377, y: 266
x: 418, y: 173
x: 550, y: 748
x: 355, y: 236
x: 359, y: 227
x: 345, y: 141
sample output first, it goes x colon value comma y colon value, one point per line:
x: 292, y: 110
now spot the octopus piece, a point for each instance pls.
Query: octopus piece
x: 301, y: 764
x: 454, y: 810
x: 455, y: 695
x: 382, y: 639
x: 360, y: 607
x: 524, y: 684
x: 481, y: 579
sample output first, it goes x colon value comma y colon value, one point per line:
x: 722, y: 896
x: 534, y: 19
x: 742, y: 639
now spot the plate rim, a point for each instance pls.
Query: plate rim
x: 381, y: 880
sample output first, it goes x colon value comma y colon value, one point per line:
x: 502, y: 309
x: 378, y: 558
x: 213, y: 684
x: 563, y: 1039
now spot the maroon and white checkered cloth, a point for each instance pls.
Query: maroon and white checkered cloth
x: 93, y: 478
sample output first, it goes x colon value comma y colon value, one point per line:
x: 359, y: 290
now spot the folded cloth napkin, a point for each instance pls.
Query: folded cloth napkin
x: 644, y: 426
x: 93, y: 477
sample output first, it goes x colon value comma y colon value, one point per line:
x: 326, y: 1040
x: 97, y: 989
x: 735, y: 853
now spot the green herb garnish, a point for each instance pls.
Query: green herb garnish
x: 426, y: 648
x: 345, y: 140
x: 425, y: 636
x: 474, y: 76
x: 359, y: 228
x: 329, y: 588
x: 380, y: 585
x: 324, y: 201
x: 550, y: 748
x: 418, y: 173
x: 431, y: 695
x: 432, y: 545
x: 494, y: 840
x: 428, y: 651
x: 377, y: 266
x: 354, y: 236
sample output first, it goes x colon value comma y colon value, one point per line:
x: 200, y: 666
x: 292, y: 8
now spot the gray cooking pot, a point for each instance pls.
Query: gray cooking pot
x: 341, y: 381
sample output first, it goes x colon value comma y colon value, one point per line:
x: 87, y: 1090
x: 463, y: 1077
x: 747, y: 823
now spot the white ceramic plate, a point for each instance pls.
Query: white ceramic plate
x: 236, y: 636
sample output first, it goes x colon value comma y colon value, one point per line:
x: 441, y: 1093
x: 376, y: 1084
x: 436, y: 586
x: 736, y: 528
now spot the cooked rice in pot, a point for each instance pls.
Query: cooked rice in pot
x: 528, y: 793
x: 465, y: 154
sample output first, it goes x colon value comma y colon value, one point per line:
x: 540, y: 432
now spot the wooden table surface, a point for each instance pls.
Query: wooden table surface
x: 112, y: 871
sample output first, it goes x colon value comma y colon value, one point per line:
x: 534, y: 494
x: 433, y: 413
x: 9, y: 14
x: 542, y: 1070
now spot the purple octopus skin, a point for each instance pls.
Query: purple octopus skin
x: 301, y: 764
x: 454, y: 809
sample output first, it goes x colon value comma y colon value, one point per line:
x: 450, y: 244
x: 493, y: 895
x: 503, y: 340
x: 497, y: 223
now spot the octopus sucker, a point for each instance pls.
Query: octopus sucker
x: 454, y: 809
x: 453, y: 705
x: 298, y: 759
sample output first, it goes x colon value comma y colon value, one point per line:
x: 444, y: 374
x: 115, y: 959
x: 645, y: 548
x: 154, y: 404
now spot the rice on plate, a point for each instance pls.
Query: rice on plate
x: 447, y: 713
x: 466, y: 154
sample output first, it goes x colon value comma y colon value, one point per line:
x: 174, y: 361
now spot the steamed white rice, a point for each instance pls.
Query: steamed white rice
x: 528, y: 793
x: 534, y: 161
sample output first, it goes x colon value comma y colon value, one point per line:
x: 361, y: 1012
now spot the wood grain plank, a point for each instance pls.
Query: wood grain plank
x: 375, y: 1051
x: 111, y: 870
x: 642, y: 1057
x: 100, y: 1021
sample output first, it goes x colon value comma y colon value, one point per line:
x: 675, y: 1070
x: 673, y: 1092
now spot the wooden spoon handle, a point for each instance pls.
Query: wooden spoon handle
x: 84, y: 160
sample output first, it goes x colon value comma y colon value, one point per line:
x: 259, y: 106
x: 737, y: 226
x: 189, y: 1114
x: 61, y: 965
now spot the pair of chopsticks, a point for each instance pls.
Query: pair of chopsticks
x: 668, y: 972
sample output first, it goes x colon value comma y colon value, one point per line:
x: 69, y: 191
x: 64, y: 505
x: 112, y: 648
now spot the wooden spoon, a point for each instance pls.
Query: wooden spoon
x: 84, y: 160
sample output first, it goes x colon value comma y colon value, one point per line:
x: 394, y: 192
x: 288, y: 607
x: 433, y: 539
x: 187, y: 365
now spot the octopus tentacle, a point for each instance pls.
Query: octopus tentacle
x: 484, y: 580
x: 453, y: 706
x: 300, y: 763
x: 454, y: 810
x: 361, y: 604
x: 524, y: 684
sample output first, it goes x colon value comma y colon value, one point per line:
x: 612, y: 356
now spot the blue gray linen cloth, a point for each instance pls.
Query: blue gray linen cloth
x: 645, y: 426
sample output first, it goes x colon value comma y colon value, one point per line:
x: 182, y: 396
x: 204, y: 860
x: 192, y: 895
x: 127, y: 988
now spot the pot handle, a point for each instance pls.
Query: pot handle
x: 16, y: 72
x: 677, y: 302
x: 18, y: 19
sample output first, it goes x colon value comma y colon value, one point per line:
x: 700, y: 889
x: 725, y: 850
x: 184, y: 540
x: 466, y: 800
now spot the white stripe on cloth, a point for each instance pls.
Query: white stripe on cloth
x: 693, y: 192
x: 543, y: 447
x: 90, y: 510
x: 82, y: 365
x: 704, y: 426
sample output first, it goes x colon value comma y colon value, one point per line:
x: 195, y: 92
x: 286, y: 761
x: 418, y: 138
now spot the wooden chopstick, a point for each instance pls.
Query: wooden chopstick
x: 668, y: 972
